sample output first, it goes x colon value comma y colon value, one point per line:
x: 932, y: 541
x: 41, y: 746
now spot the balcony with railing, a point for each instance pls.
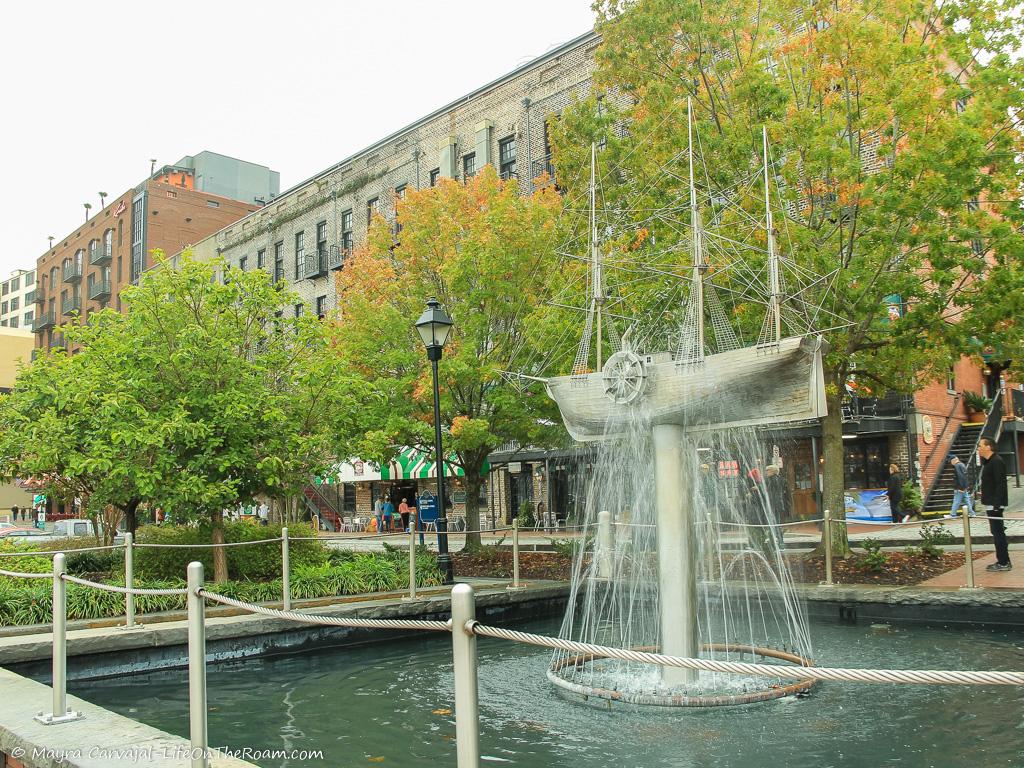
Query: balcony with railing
x: 72, y: 273
x: 58, y: 341
x: 99, y: 290
x: 875, y: 414
x: 40, y: 298
x: 70, y: 305
x: 542, y: 166
x: 316, y: 264
x: 336, y: 257
x: 43, y: 321
x: 101, y: 256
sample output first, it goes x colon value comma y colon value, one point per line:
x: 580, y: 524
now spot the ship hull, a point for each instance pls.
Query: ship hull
x: 754, y: 386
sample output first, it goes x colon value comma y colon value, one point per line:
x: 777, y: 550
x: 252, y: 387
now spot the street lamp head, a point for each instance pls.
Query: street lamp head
x: 434, y: 326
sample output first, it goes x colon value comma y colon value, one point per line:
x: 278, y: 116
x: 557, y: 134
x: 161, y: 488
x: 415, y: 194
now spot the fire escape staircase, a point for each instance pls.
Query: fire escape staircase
x: 319, y: 504
x: 965, y: 448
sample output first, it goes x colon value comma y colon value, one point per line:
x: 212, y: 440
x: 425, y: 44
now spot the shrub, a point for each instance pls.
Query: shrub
x: 525, y: 516
x: 25, y: 564
x: 932, y: 537
x: 912, y: 502
x: 875, y: 559
x: 257, y: 562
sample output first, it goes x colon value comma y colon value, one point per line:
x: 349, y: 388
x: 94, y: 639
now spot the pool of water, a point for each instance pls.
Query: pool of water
x: 390, y: 704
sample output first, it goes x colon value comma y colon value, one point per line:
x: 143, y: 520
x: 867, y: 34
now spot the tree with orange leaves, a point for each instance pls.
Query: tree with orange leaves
x: 486, y: 252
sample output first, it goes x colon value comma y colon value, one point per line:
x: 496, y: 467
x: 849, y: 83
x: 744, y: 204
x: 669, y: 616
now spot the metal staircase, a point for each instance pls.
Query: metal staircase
x: 329, y: 516
x: 940, y: 498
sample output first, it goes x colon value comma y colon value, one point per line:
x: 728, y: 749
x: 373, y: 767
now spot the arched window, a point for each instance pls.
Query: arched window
x: 94, y: 247
x: 80, y: 257
x: 53, y: 277
x: 108, y: 241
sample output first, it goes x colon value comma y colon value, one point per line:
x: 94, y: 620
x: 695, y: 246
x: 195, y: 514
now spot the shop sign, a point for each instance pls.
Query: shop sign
x: 121, y: 208
x: 927, y: 429
x: 515, y: 467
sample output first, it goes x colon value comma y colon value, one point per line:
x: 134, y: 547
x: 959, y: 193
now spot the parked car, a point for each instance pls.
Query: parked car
x: 73, y: 528
x: 33, y: 535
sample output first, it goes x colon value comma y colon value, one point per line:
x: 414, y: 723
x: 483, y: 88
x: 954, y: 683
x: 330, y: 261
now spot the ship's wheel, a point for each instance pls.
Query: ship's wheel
x: 625, y: 377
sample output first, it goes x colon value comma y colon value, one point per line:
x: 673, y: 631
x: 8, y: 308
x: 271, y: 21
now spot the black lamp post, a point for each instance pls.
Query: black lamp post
x: 433, y: 327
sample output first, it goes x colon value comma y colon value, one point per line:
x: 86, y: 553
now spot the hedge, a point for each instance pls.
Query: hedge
x: 30, y: 602
x: 255, y: 562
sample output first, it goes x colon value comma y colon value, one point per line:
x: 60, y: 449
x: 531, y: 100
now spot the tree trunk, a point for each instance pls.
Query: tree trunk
x: 131, y: 520
x: 473, y: 480
x: 832, y: 445
x: 220, y: 555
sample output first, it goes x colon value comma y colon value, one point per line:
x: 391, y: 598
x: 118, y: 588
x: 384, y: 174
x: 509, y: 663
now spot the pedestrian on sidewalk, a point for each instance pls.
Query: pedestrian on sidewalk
x: 378, y: 513
x: 404, y: 510
x: 388, y: 513
x: 961, y: 490
x: 994, y: 495
x: 894, y: 490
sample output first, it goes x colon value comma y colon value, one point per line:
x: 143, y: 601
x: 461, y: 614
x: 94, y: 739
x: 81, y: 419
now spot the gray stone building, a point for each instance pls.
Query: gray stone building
x: 304, y: 234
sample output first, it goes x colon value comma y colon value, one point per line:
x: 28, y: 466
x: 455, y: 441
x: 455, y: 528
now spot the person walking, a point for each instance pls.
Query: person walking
x: 894, y: 490
x: 387, y: 512
x: 378, y: 514
x: 961, y: 490
x: 15, y: 512
x: 995, y: 496
x: 404, y: 510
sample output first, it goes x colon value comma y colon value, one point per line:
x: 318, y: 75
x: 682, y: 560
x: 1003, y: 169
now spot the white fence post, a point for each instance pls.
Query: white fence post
x: 604, y: 544
x: 515, y: 556
x: 60, y: 712
x: 968, y: 549
x: 197, y: 668
x: 286, y: 571
x: 467, y: 714
x: 412, y: 554
x: 129, y: 580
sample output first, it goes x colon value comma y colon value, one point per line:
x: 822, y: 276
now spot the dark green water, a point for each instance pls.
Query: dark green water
x: 386, y: 705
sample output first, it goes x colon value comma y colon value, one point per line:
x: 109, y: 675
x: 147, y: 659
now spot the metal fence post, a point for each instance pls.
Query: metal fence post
x: 129, y: 580
x: 968, y: 550
x: 60, y: 712
x: 515, y: 555
x: 286, y: 571
x: 826, y: 531
x: 412, y: 554
x: 197, y: 668
x: 467, y: 714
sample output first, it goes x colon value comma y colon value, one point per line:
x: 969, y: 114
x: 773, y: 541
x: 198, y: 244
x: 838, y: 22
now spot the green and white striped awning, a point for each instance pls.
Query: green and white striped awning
x: 411, y: 464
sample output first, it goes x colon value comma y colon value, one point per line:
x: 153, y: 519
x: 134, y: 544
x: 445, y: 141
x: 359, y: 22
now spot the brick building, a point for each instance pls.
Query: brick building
x: 86, y: 270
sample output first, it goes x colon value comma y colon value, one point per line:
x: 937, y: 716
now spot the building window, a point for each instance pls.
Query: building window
x: 29, y: 316
x: 261, y: 258
x: 399, y: 195
x: 14, y: 322
x: 321, y: 307
x: 278, y: 261
x: 120, y: 231
x: 978, y: 247
x: 321, y: 239
x: 15, y: 283
x: 372, y: 205
x: 212, y: 204
x: 961, y: 105
x: 346, y: 230
x: 468, y: 166
x: 3, y: 308
x: 400, y: 191
x: 6, y: 289
x: 108, y: 242
x: 14, y: 303
x: 300, y: 254
x: 507, y: 157
x: 435, y: 174
x: 242, y: 262
x: 298, y: 310
x: 30, y: 297
x: 951, y: 380
x: 30, y: 278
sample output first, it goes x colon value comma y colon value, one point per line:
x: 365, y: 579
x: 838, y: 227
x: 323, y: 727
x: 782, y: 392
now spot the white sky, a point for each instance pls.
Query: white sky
x: 92, y: 91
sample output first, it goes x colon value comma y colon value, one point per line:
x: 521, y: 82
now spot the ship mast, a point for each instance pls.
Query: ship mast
x: 596, y: 280
x: 699, y: 267
x: 774, y: 308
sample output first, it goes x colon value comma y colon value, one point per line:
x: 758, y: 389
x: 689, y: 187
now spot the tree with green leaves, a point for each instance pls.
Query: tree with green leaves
x: 198, y: 399
x: 895, y: 139
x: 486, y: 253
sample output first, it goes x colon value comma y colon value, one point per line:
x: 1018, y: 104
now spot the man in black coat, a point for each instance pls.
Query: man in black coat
x: 894, y: 490
x: 994, y: 495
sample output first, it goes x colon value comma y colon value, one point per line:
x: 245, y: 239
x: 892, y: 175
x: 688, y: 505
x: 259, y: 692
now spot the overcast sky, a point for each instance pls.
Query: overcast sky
x: 92, y: 91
